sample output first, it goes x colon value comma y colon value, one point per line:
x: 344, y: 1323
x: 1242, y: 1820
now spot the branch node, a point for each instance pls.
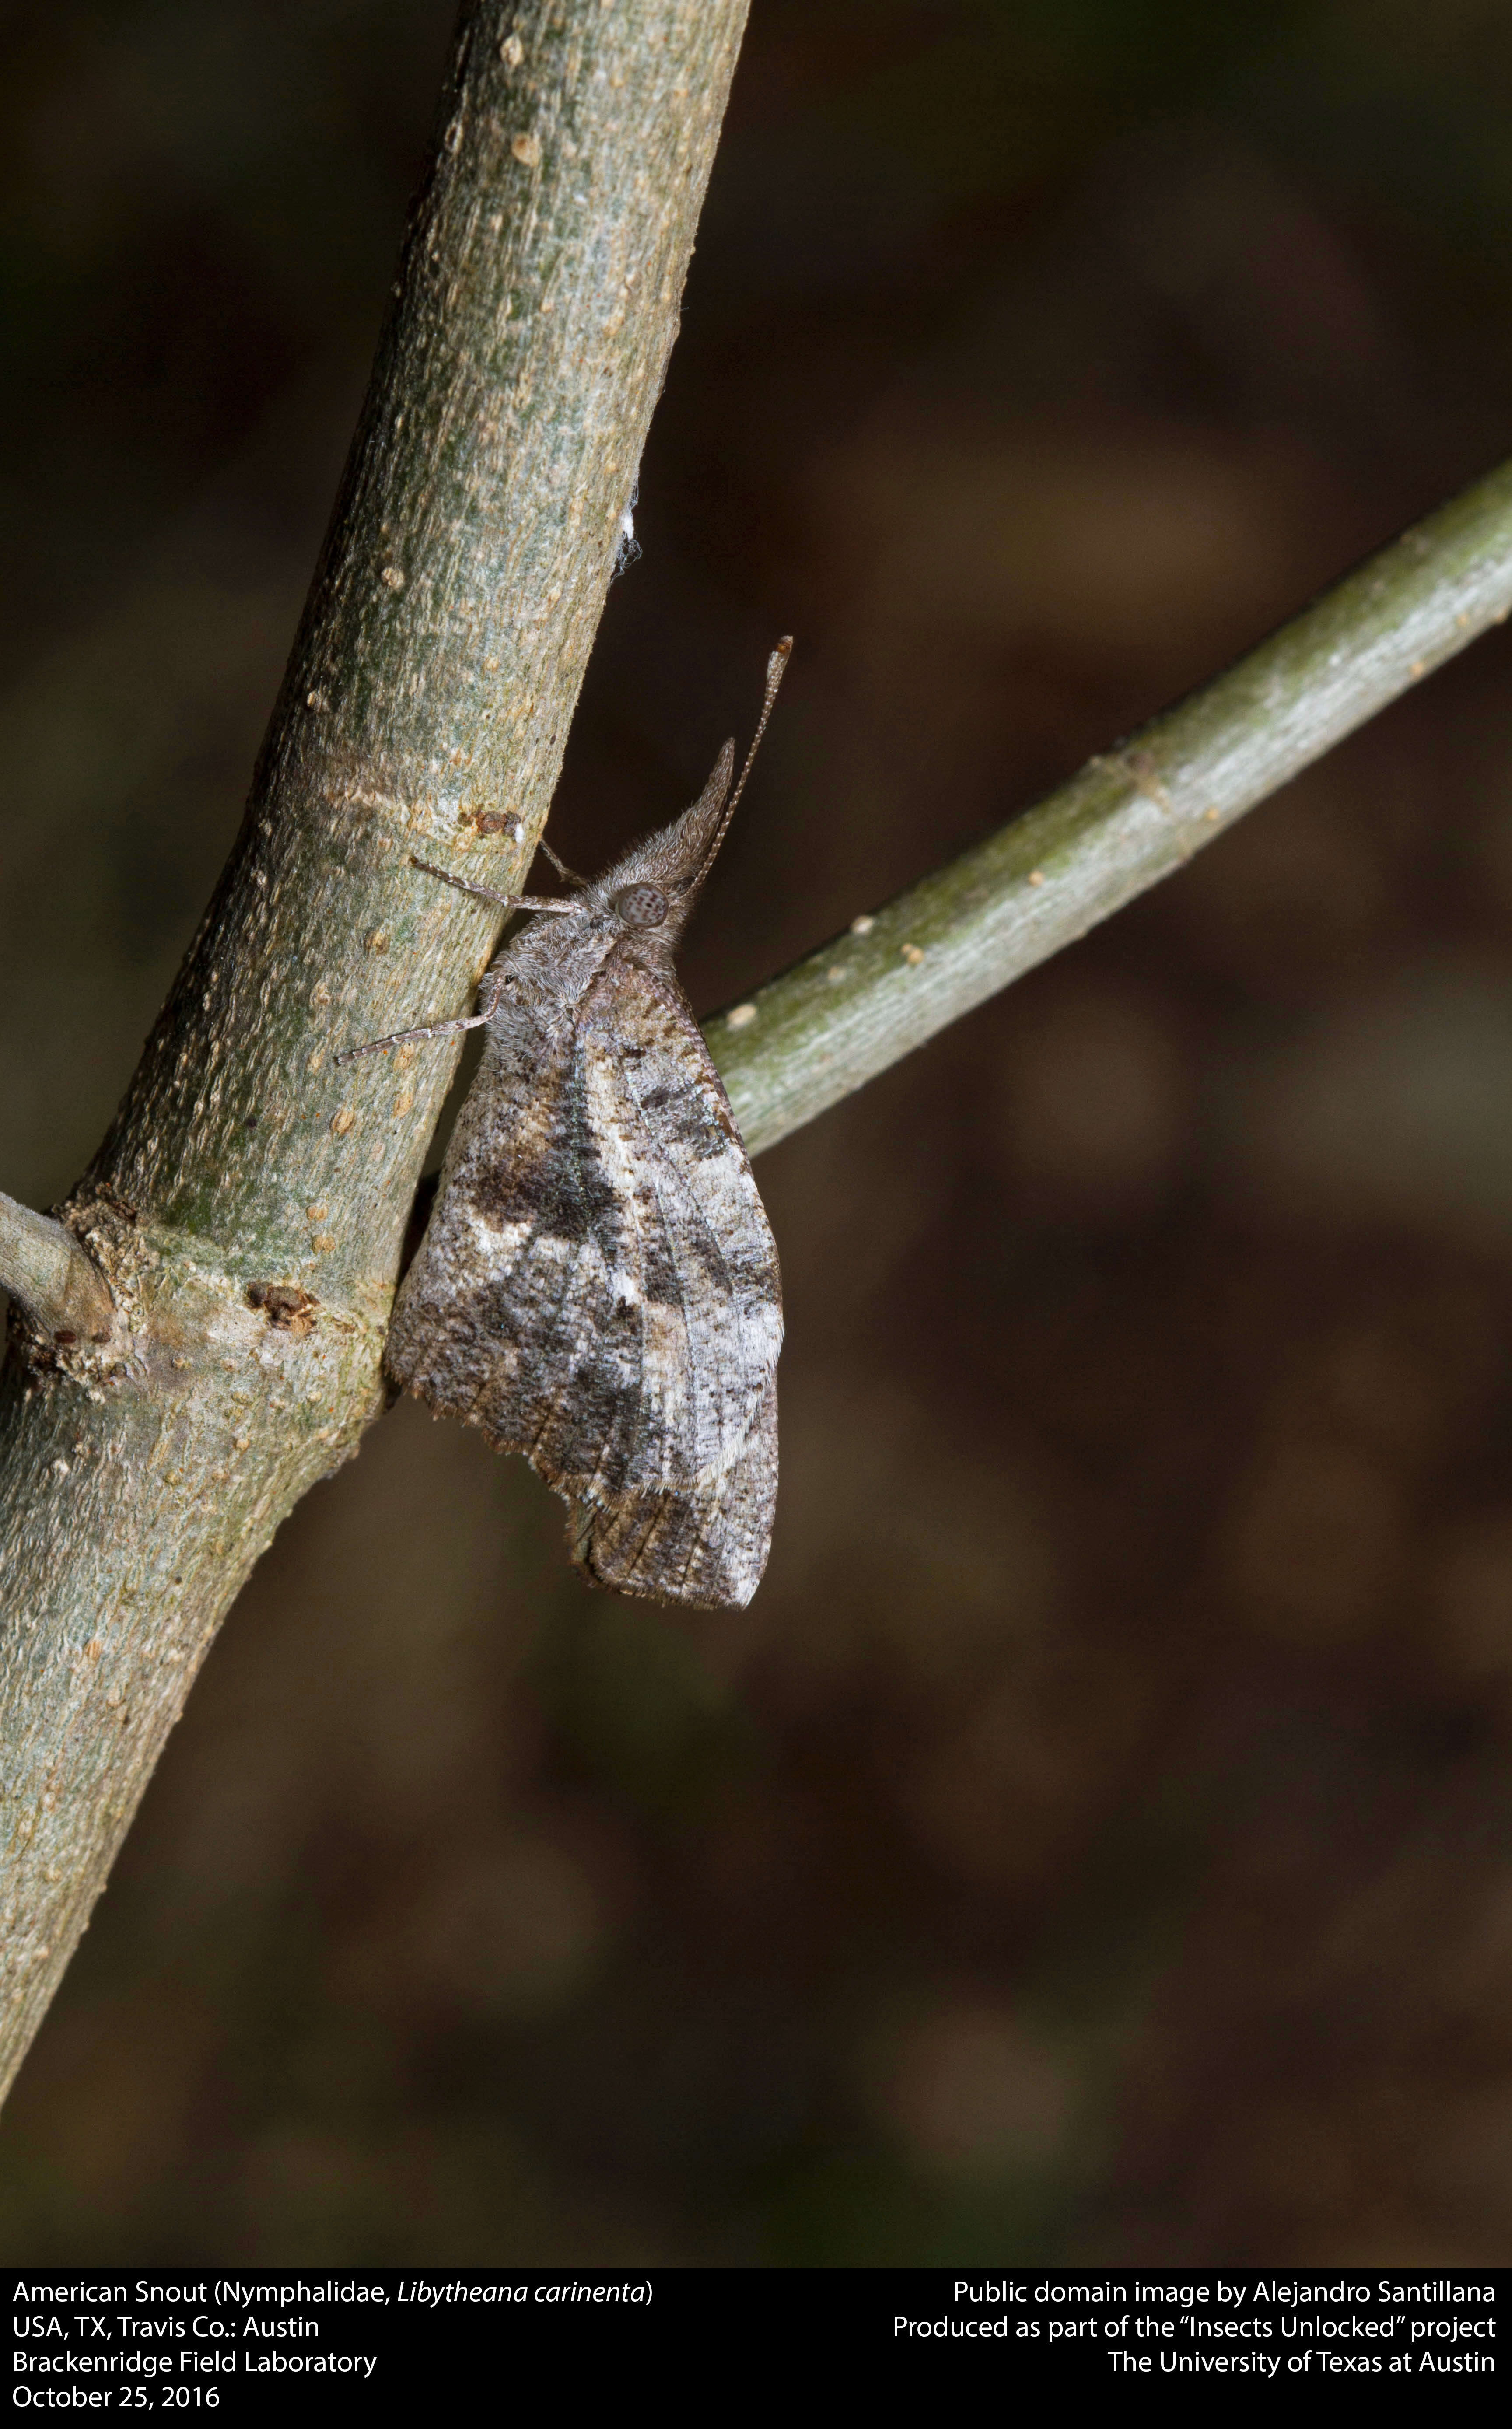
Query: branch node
x: 43, y: 1266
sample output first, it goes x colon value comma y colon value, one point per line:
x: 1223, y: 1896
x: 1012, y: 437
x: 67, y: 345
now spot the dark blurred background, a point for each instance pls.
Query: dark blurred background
x: 1093, y: 1843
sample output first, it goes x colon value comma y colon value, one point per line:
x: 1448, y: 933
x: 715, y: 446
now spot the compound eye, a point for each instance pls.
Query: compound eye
x: 641, y: 907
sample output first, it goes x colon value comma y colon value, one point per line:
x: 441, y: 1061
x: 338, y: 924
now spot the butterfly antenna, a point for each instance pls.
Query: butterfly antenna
x: 776, y: 670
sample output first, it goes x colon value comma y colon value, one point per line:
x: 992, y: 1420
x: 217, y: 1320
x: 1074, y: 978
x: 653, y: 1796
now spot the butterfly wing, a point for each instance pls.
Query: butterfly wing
x: 684, y: 1509
x: 599, y: 1289
x: 506, y: 1234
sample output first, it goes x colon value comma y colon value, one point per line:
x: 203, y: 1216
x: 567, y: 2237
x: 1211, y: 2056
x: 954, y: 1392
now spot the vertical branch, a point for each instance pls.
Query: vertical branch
x: 249, y: 1203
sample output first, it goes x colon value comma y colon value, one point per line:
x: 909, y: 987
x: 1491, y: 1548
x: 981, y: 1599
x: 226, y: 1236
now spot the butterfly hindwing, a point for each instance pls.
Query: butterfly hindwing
x: 688, y: 1518
x: 599, y: 1289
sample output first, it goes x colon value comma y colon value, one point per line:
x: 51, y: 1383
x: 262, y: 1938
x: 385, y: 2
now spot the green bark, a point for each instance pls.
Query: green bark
x: 249, y: 1205
x: 1128, y: 819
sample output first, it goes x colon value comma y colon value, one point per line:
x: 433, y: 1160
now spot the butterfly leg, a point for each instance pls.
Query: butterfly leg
x: 485, y: 893
x: 560, y: 866
x: 492, y: 987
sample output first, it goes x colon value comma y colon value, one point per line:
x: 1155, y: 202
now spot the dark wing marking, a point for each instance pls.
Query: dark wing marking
x: 599, y: 1289
x: 499, y: 1257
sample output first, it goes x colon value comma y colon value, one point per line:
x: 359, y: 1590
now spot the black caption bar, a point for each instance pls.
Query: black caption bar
x: 252, y: 2345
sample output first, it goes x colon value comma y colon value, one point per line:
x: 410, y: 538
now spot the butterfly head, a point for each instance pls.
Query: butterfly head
x: 650, y: 892
x: 654, y: 887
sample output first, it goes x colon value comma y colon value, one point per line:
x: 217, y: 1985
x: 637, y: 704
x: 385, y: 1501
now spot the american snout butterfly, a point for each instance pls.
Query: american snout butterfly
x: 598, y: 1285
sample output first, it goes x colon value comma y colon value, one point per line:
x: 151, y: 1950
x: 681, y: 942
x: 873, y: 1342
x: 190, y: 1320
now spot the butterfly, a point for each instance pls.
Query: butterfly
x: 598, y: 1285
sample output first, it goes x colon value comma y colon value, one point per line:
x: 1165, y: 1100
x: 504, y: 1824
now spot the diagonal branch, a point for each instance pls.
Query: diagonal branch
x: 1130, y: 818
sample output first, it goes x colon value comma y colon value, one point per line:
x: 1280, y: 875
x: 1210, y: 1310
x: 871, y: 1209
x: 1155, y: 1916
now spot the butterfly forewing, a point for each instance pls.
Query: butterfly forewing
x: 598, y: 1286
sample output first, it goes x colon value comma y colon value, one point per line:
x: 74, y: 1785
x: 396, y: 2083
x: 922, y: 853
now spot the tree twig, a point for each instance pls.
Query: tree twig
x: 248, y: 1207
x: 1128, y: 819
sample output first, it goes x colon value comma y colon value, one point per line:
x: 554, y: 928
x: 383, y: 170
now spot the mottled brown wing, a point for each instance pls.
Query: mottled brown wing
x: 694, y: 1267
x: 599, y: 1289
